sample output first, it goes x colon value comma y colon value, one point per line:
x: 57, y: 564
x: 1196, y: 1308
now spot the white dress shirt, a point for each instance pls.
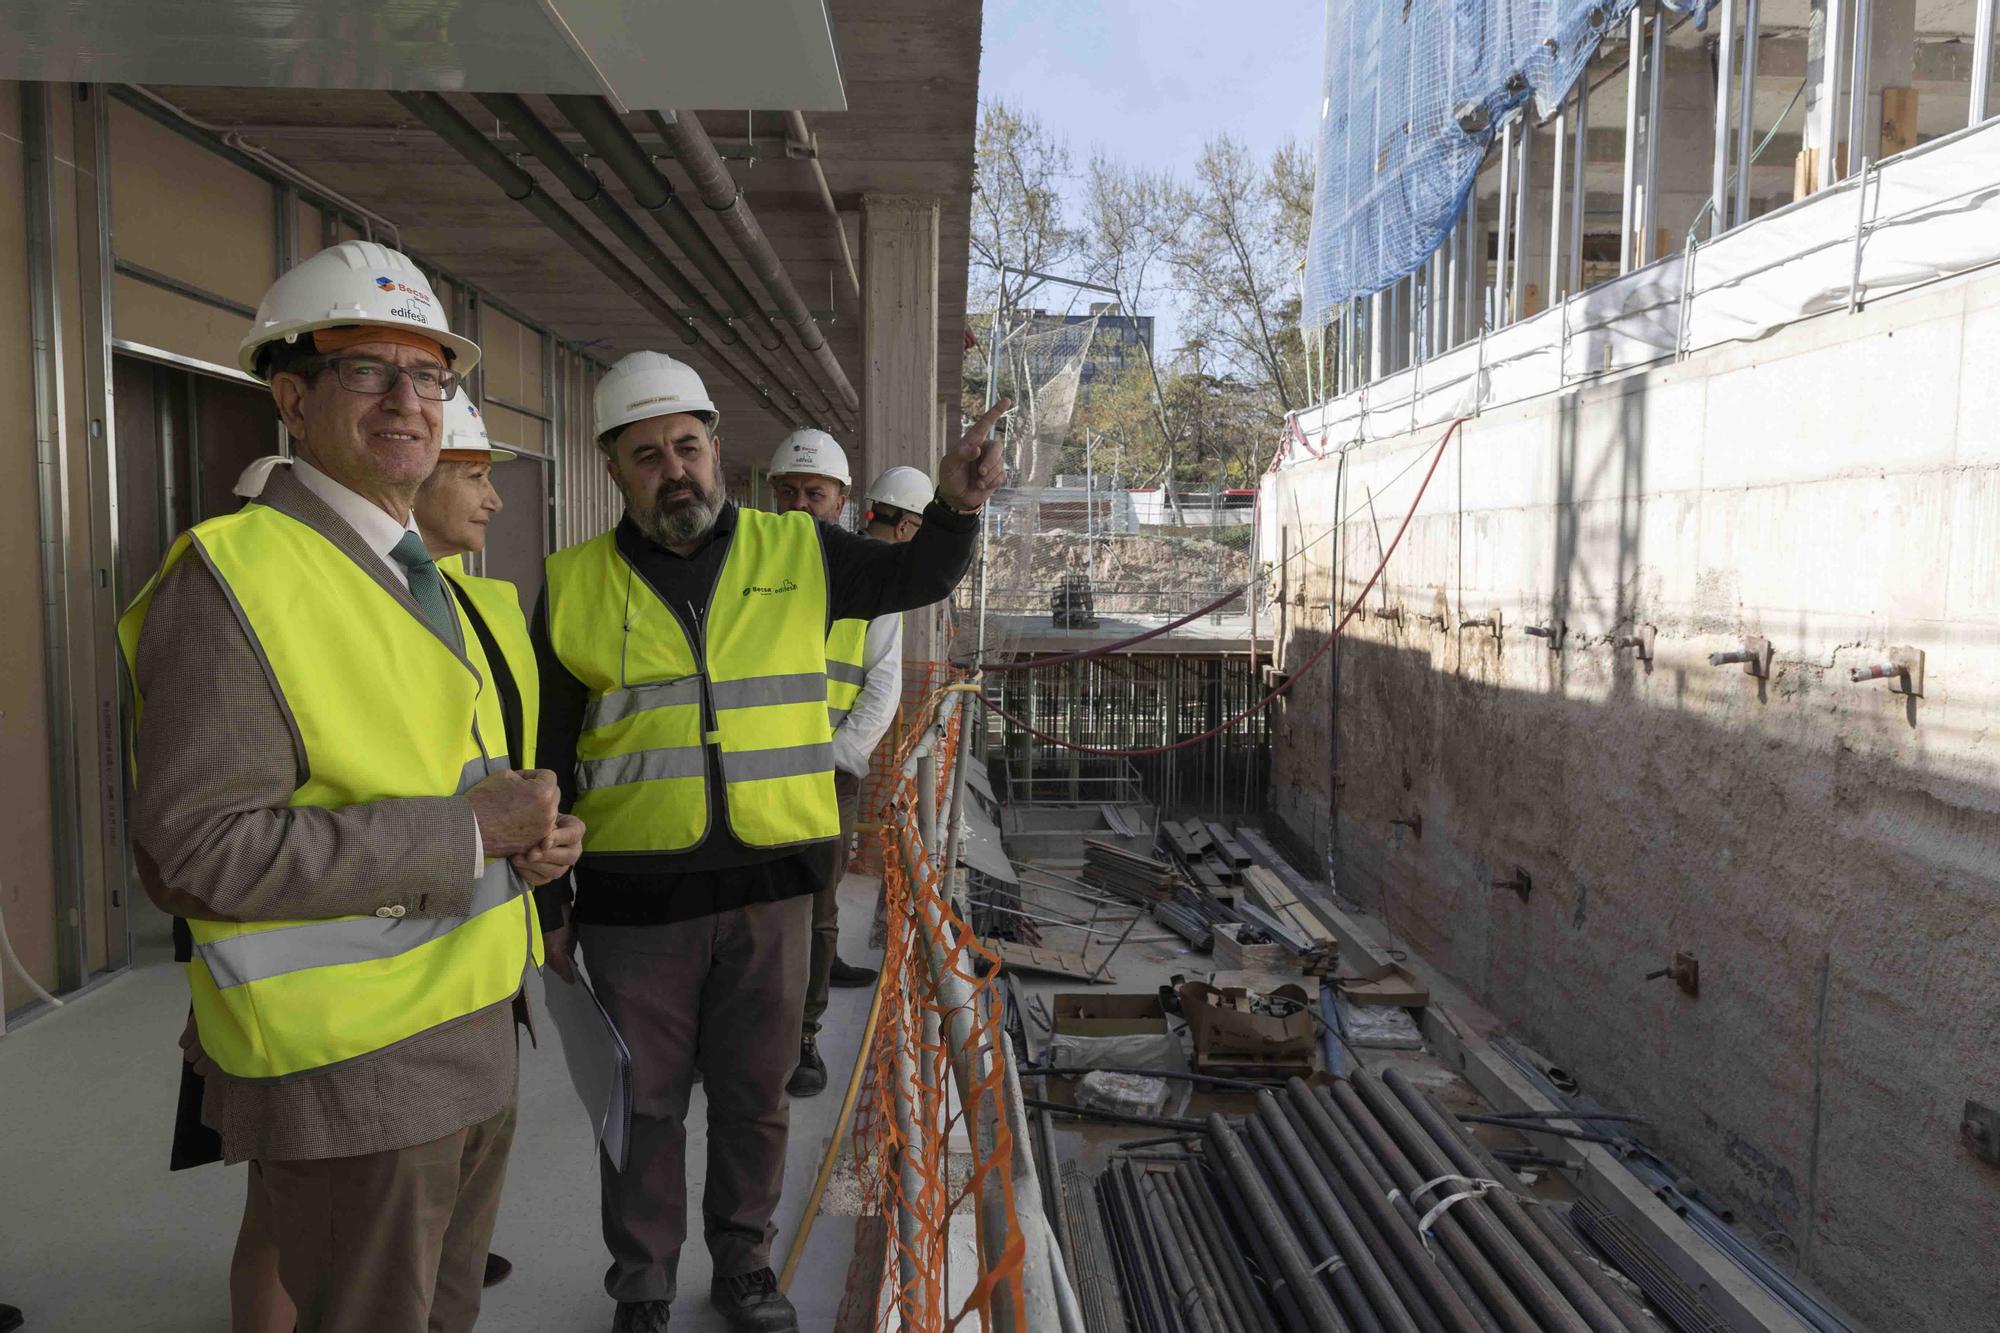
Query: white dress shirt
x: 379, y: 533
x: 855, y: 739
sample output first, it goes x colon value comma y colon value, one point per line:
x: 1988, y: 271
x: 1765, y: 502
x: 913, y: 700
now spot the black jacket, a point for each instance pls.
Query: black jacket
x: 865, y: 579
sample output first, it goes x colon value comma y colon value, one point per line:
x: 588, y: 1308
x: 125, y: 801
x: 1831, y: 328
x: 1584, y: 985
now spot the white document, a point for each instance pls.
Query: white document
x: 600, y: 1066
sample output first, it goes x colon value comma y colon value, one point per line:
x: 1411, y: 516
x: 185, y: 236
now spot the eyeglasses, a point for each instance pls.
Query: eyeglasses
x: 365, y: 375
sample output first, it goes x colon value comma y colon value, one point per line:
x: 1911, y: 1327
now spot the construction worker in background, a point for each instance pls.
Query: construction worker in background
x: 326, y: 796
x: 453, y: 508
x: 684, y: 707
x: 864, y: 683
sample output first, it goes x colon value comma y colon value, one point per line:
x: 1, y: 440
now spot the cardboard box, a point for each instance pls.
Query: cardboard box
x: 1228, y: 1034
x: 1101, y: 1014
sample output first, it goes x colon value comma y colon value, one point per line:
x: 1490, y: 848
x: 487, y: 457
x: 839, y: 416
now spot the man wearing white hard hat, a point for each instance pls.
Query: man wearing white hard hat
x: 864, y: 683
x: 327, y: 796
x: 684, y: 708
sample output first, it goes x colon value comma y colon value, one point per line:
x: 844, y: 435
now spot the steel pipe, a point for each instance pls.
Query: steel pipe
x: 795, y: 123
x: 1229, y: 1255
x: 1189, y: 1292
x: 1746, y: 120
x: 444, y: 121
x: 1220, y: 1295
x: 1287, y: 1305
x: 1265, y: 1214
x: 628, y: 159
x: 719, y: 191
x: 589, y: 191
x: 1445, y: 1286
x: 1392, y: 1257
x: 1388, y: 1303
x: 1480, y: 1274
x: 1329, y: 1260
x: 1600, y: 1316
x: 1536, y: 1288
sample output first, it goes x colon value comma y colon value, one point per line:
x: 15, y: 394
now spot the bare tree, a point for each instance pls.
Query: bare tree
x: 1017, y: 206
x: 1237, y: 264
x: 1133, y: 219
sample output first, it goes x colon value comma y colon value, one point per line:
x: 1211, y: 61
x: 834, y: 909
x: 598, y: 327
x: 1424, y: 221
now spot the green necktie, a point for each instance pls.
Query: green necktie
x: 426, y: 584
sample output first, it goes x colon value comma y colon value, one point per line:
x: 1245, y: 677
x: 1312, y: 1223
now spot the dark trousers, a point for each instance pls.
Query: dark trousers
x: 721, y: 993
x: 389, y: 1242
x: 826, y: 903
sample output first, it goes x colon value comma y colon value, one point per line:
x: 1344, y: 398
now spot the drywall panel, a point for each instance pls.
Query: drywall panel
x: 511, y: 356
x: 181, y: 210
x: 511, y: 429
x: 154, y: 317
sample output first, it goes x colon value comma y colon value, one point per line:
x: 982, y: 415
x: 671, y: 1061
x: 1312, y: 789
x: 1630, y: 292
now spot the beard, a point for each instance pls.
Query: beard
x: 673, y: 525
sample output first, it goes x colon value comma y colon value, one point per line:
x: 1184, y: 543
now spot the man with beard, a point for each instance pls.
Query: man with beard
x: 684, y: 710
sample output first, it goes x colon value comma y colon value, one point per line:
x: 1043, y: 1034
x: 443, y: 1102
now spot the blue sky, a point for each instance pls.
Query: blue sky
x: 1149, y: 81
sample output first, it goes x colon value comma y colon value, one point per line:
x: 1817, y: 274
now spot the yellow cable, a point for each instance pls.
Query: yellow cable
x: 798, y: 1246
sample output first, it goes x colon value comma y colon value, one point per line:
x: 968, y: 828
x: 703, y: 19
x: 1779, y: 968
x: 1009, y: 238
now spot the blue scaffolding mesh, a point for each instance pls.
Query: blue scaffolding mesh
x: 1415, y: 91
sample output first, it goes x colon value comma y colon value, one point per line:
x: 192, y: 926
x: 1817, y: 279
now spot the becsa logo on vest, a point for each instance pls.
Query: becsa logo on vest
x: 786, y: 586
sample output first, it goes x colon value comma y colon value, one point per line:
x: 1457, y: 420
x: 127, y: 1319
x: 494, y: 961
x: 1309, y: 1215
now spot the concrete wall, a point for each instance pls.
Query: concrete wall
x: 1828, y: 850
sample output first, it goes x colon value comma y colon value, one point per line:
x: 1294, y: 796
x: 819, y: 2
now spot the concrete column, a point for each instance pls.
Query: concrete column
x: 899, y: 341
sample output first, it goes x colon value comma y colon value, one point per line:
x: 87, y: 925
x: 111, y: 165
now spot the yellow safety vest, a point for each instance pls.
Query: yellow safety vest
x: 846, y: 653
x: 750, y: 680
x: 384, y: 710
x: 498, y: 603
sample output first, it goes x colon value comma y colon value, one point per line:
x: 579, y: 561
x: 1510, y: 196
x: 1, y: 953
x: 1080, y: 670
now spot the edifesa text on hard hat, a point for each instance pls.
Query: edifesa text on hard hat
x: 811, y: 453
x: 354, y: 282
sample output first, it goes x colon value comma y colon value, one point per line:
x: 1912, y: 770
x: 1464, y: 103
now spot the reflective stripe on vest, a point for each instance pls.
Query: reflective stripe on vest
x: 751, y: 684
x: 384, y: 709
x: 846, y: 651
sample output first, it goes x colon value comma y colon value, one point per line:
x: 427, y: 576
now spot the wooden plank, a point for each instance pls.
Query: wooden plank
x: 1051, y: 962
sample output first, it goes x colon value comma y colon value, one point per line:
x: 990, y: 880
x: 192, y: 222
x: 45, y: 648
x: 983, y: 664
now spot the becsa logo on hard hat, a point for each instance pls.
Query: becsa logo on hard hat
x: 389, y: 284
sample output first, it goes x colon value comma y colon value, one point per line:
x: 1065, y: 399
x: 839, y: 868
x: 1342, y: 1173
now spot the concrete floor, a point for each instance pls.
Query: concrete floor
x: 97, y: 1235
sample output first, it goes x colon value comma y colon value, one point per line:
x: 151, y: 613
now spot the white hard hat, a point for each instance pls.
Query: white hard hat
x: 355, y: 282
x: 811, y: 453
x: 648, y: 384
x: 465, y: 430
x: 904, y: 487
x: 251, y: 482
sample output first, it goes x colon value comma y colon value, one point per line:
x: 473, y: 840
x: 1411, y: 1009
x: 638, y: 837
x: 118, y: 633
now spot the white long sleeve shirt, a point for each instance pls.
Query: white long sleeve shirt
x: 855, y: 739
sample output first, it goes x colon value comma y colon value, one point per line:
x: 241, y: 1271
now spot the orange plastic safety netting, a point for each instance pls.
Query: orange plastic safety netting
x: 923, y: 1153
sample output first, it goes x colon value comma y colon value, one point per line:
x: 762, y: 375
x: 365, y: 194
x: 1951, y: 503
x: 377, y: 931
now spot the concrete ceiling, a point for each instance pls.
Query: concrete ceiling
x: 708, y: 53
x: 911, y: 71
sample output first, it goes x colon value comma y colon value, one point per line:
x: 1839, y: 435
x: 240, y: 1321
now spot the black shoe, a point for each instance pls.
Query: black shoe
x: 641, y: 1317
x: 752, y: 1303
x: 497, y: 1270
x: 11, y: 1318
x: 809, y: 1079
x: 847, y: 976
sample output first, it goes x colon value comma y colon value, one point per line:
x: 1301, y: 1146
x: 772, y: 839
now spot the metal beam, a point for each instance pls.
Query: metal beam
x: 1635, y: 37
x: 52, y: 470
x: 1747, y: 122
x: 1725, y: 75
x: 1982, y: 60
x: 1503, y: 286
x: 103, y: 805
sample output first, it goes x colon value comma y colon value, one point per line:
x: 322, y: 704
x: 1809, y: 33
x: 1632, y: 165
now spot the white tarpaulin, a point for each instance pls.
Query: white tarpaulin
x: 1930, y: 213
